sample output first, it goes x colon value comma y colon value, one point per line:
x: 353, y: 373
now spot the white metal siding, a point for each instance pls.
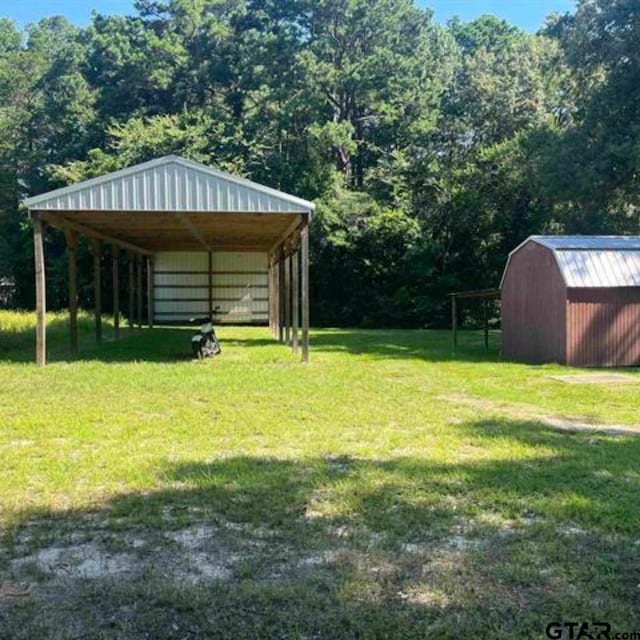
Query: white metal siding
x: 240, y: 286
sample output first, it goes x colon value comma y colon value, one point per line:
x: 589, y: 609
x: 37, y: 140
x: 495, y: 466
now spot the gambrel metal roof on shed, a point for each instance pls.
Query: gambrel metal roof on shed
x: 574, y: 300
x: 592, y: 261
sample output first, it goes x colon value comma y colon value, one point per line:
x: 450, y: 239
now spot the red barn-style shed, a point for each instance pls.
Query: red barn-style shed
x: 573, y: 300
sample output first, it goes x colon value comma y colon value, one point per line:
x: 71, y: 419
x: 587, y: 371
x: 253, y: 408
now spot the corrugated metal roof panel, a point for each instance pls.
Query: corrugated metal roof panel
x: 592, y: 261
x: 588, y: 242
x: 170, y: 184
x: 600, y: 268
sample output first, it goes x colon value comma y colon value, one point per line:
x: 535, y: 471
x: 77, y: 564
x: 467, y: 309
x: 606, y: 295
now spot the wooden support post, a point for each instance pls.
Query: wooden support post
x: 139, y: 290
x: 281, y: 298
x: 295, y: 299
x: 41, y: 290
x: 287, y: 300
x: 276, y: 298
x: 269, y: 298
x: 304, y: 258
x: 150, y: 292
x: 96, y: 248
x: 270, y: 293
x: 72, y: 250
x: 132, y: 290
x: 116, y: 291
x: 272, y: 297
x: 486, y: 323
x: 210, y: 284
x: 454, y: 323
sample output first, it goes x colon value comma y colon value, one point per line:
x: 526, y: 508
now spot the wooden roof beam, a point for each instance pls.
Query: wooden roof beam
x: 193, y: 230
x: 295, y: 227
x: 57, y: 220
x: 478, y: 293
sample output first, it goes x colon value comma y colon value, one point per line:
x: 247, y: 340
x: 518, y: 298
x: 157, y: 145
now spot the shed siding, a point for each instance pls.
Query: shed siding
x: 534, y: 310
x: 240, y: 286
x: 604, y: 327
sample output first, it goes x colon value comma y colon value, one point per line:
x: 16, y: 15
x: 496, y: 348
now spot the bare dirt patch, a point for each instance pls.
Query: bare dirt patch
x: 191, y: 555
x: 15, y: 592
x: 523, y: 412
x: 596, y: 378
x: 90, y: 584
x: 75, y: 561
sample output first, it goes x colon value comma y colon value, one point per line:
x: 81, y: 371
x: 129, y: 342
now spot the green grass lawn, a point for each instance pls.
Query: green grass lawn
x: 386, y: 490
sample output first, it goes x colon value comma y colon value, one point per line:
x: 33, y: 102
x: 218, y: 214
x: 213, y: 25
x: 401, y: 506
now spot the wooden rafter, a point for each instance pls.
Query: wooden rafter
x: 193, y: 230
x: 62, y: 222
x: 294, y: 227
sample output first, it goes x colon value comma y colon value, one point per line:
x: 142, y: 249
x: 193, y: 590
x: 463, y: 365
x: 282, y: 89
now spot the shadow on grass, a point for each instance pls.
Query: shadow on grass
x: 431, y: 345
x: 172, y: 344
x: 157, y: 345
x: 590, y: 479
x: 166, y: 344
x: 342, y: 547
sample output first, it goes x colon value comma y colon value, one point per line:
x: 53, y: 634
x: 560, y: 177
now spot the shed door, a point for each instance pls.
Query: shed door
x: 239, y: 286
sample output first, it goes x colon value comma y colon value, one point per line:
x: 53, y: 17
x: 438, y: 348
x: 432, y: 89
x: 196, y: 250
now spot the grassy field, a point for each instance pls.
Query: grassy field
x: 386, y: 490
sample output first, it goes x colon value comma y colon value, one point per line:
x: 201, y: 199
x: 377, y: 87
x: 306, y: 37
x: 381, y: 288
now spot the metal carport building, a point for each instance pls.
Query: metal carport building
x: 205, y: 238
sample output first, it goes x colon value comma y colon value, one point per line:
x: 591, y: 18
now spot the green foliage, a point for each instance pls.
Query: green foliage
x: 432, y: 151
x: 140, y: 139
x: 600, y: 151
x: 364, y: 251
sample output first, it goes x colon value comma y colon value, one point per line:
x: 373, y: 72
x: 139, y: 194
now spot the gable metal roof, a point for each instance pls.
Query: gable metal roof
x: 592, y: 261
x: 170, y: 183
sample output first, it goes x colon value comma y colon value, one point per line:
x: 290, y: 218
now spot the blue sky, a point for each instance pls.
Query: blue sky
x: 528, y: 14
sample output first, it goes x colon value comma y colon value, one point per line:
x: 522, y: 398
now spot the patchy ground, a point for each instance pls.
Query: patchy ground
x: 596, y: 378
x: 385, y: 491
x: 528, y: 412
x: 205, y: 581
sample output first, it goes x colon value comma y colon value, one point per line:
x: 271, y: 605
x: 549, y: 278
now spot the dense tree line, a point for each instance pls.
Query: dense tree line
x: 431, y: 150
